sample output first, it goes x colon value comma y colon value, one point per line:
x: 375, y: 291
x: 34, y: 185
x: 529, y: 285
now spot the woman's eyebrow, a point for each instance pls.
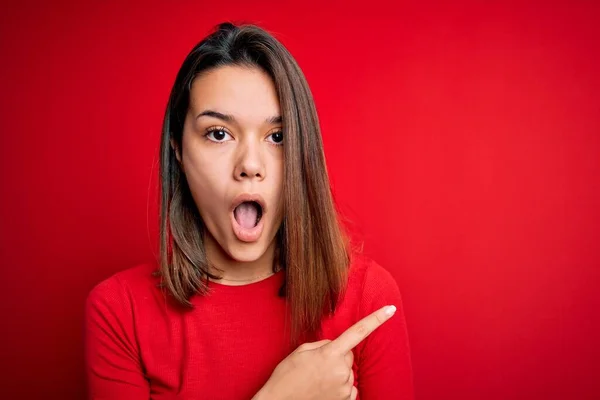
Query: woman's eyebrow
x: 230, y: 118
x: 275, y: 120
x: 216, y: 114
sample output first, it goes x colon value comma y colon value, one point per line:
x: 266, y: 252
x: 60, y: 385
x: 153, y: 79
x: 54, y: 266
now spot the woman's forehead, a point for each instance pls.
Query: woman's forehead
x: 248, y: 94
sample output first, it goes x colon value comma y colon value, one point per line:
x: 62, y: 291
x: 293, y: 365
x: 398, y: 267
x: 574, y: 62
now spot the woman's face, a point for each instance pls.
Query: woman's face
x: 232, y: 157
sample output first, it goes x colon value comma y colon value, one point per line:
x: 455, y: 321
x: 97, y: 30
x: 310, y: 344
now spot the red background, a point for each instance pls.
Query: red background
x: 462, y: 141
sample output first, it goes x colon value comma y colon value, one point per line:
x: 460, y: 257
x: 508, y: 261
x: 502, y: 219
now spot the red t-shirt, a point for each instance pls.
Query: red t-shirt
x: 141, y: 346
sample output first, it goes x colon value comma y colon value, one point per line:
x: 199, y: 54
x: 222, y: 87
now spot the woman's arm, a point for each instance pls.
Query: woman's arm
x: 112, y: 360
x: 384, y: 364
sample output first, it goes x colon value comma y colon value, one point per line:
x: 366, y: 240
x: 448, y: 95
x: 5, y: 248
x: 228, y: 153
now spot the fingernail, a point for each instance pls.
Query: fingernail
x: 390, y: 310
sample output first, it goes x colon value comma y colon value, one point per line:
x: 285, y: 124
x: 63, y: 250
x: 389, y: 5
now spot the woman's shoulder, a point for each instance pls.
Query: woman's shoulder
x: 370, y: 287
x: 124, y: 286
x: 370, y: 279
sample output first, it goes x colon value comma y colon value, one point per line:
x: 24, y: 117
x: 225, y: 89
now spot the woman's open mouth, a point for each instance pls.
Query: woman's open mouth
x: 247, y: 221
x: 248, y: 214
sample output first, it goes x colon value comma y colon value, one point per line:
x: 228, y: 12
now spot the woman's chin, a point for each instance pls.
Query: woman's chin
x: 247, y: 252
x: 229, y: 246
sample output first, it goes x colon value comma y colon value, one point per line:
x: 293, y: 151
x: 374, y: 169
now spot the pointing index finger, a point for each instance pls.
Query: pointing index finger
x: 361, y: 330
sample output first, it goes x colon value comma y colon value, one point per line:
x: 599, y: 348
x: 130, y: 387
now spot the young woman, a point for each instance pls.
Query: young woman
x: 257, y: 294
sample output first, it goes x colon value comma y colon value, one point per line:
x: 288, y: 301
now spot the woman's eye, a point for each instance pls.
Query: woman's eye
x: 218, y: 135
x: 276, y: 137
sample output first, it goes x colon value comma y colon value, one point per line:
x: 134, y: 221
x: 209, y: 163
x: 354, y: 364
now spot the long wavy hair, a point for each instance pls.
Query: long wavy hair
x: 312, y: 246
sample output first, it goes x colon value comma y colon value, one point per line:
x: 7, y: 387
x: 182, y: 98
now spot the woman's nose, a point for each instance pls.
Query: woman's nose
x: 250, y: 164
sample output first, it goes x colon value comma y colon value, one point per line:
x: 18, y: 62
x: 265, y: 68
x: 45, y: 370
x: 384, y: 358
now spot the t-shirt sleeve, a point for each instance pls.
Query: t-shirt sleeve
x: 384, y: 364
x: 113, y: 365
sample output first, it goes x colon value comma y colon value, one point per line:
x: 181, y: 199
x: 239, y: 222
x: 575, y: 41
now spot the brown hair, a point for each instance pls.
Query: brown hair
x: 312, y: 247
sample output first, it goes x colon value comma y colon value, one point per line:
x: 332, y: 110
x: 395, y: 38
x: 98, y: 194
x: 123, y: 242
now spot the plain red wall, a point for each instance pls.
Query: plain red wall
x: 462, y: 140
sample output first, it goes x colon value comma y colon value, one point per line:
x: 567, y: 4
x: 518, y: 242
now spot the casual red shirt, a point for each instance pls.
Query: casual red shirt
x: 141, y: 346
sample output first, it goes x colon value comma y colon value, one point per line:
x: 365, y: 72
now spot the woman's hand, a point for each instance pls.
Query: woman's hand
x: 322, y: 370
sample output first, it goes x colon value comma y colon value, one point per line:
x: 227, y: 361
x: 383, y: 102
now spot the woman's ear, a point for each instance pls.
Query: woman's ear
x: 176, y: 149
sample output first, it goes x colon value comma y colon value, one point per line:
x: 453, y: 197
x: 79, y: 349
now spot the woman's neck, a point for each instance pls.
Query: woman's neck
x: 234, y: 272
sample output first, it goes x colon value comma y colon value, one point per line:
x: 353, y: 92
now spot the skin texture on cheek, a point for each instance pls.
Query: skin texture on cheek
x: 208, y: 190
x: 230, y: 151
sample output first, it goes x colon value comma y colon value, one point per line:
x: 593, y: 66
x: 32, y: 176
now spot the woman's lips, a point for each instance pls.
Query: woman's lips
x: 248, y: 197
x: 252, y: 234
